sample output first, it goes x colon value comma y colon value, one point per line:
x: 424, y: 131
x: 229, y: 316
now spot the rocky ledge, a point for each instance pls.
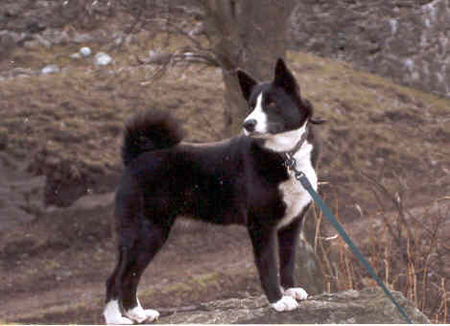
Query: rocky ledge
x: 369, y: 305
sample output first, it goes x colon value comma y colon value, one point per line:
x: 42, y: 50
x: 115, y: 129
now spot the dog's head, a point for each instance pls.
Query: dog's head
x: 276, y: 108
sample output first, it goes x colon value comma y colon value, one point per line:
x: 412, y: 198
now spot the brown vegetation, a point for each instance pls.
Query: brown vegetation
x: 407, y: 248
x: 68, y: 126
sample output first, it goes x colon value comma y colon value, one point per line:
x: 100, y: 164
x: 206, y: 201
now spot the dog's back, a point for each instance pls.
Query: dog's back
x: 218, y: 183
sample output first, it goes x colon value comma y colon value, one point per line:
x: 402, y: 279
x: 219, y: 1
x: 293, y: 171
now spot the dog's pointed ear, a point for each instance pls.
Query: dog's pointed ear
x: 308, y: 106
x: 284, y: 78
x: 246, y: 82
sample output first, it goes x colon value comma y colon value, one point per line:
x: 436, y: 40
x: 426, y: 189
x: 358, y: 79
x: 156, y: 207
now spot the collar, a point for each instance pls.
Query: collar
x: 299, y: 143
x: 289, y: 159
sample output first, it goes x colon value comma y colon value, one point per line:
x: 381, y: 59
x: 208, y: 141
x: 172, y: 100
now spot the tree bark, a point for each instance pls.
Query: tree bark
x: 246, y: 34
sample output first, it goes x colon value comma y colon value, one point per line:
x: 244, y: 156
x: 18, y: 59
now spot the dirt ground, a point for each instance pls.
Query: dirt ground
x: 58, y: 275
x: 67, y: 126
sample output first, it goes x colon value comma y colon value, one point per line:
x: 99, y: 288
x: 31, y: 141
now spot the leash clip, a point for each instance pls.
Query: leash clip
x: 290, y: 162
x: 298, y: 175
x: 291, y: 165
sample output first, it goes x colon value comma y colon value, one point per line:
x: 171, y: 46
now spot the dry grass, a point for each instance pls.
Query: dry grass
x: 375, y: 125
x: 73, y: 119
x: 76, y: 116
x: 408, y: 249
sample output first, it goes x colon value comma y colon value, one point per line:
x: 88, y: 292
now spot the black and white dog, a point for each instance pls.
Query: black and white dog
x: 242, y: 180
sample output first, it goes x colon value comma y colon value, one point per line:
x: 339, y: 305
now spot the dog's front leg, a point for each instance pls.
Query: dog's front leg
x: 264, y: 248
x: 287, y: 243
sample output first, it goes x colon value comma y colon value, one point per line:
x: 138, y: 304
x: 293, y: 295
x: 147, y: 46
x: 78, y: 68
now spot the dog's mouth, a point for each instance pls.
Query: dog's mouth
x: 255, y: 134
x: 273, y: 130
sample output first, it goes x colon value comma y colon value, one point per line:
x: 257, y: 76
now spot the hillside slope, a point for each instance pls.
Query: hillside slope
x: 67, y: 126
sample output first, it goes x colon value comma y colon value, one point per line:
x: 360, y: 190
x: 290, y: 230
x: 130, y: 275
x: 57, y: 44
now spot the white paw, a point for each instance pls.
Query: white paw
x: 296, y: 293
x: 140, y: 315
x: 286, y: 303
x: 113, y: 316
x: 120, y: 320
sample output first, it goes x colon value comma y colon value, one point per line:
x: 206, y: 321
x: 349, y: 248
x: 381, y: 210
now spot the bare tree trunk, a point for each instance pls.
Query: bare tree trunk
x: 309, y: 272
x: 249, y: 34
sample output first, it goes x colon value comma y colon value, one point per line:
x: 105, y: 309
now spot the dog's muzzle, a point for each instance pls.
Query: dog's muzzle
x: 250, y: 125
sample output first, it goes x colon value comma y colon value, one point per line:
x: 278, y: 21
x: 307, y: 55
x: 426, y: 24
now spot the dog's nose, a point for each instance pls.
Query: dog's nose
x: 250, y: 125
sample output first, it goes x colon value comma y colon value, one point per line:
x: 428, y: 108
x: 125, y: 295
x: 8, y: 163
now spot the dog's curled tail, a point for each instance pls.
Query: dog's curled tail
x: 148, y: 131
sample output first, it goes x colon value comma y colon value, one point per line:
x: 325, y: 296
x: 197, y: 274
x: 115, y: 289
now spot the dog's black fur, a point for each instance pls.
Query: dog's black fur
x: 235, y: 181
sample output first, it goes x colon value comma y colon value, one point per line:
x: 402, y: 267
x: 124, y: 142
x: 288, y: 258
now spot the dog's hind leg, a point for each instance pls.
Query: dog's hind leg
x: 151, y: 238
x: 140, y: 238
x: 112, y: 311
x: 128, y: 212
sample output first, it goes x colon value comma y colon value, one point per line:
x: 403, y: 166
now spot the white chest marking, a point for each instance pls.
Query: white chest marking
x: 285, y: 141
x: 294, y: 195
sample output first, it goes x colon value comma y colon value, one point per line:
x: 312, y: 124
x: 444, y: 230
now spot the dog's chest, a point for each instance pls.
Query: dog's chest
x: 293, y: 194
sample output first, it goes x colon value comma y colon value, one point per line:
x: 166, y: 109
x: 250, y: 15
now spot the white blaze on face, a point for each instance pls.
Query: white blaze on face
x: 259, y: 116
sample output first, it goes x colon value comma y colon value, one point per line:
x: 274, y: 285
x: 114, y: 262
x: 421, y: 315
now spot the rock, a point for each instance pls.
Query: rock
x: 308, y: 268
x: 34, y: 27
x: 157, y: 57
x: 21, y: 194
x: 85, y: 51
x: 82, y: 38
x: 8, y: 41
x: 76, y: 55
x: 94, y: 201
x: 50, y: 69
x: 405, y: 40
x: 40, y: 40
x: 102, y: 59
x: 367, y: 306
x: 55, y: 36
x: 32, y: 44
x: 198, y: 29
x: 152, y: 53
x: 10, y: 37
x: 21, y: 72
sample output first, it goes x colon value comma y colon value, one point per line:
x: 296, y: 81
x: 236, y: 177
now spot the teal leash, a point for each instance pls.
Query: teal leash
x: 300, y: 176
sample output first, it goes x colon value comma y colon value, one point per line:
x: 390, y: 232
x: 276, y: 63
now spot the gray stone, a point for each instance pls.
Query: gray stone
x: 94, y: 201
x: 76, y: 55
x: 10, y: 37
x: 8, y: 41
x: 42, y: 41
x: 21, y: 194
x: 367, y: 306
x: 82, y: 38
x: 55, y: 36
x: 50, y: 69
x: 102, y: 59
x: 406, y: 40
x: 85, y: 51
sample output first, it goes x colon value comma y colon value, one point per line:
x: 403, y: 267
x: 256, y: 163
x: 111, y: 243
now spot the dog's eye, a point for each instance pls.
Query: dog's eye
x: 271, y: 105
